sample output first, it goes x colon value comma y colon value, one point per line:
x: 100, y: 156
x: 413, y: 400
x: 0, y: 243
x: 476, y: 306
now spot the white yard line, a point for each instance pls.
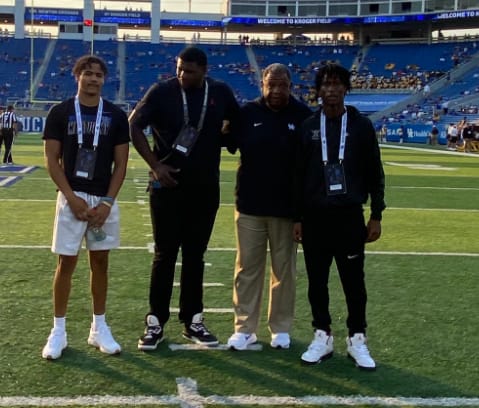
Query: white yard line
x: 188, y: 397
x: 145, y: 248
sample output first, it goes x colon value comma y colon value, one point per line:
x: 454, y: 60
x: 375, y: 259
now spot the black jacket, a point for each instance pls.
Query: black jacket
x: 266, y: 140
x: 362, y: 166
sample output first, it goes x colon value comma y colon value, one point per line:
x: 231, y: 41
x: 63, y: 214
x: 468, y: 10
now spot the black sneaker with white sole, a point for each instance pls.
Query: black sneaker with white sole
x: 197, y: 332
x: 153, y: 336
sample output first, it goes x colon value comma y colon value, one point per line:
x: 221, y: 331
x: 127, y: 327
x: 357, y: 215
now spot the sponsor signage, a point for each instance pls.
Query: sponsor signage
x: 144, y: 18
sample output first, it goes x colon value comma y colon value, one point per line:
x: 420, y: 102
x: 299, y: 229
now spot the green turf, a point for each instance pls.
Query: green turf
x: 422, y: 308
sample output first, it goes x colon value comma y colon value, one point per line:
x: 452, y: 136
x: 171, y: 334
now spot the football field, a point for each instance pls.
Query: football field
x: 423, y: 310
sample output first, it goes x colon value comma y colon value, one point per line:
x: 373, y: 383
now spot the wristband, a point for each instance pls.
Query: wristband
x: 108, y: 201
x: 109, y: 205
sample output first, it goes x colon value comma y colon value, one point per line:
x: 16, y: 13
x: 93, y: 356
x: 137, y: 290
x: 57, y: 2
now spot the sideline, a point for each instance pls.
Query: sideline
x: 188, y: 397
x: 425, y: 149
x: 146, y: 248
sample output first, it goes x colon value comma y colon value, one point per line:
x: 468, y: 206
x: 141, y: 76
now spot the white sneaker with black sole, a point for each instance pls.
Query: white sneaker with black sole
x: 241, y: 341
x: 280, y: 341
x: 321, y: 348
x: 359, y: 352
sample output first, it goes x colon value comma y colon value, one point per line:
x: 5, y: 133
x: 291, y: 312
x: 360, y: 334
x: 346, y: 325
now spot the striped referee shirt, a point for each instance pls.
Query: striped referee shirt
x: 7, y: 119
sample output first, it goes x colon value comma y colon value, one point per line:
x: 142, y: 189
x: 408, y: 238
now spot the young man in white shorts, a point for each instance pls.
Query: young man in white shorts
x: 86, y: 153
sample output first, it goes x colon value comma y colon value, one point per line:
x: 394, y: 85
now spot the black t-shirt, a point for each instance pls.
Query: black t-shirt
x: 114, y: 130
x: 162, y: 109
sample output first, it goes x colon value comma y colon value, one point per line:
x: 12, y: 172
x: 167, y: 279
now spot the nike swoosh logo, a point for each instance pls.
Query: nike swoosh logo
x: 353, y: 256
x: 257, y: 124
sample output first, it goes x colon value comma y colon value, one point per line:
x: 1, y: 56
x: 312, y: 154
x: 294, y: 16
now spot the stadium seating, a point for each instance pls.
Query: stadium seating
x: 134, y: 66
x: 15, y: 67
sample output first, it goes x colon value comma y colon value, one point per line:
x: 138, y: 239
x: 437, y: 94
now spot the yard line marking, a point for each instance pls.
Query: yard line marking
x: 208, y: 310
x: 420, y: 149
x: 219, y: 347
x: 188, y: 396
x: 188, y: 393
x: 432, y: 209
x: 146, y: 248
x: 210, y: 285
x: 15, y: 200
x: 420, y: 166
x: 436, y: 188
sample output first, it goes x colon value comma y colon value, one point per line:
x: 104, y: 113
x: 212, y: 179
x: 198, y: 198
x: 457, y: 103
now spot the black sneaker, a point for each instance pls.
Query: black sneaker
x: 153, y: 334
x: 197, y: 332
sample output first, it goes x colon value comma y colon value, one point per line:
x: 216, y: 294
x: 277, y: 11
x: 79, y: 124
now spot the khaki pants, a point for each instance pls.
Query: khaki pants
x: 253, y: 234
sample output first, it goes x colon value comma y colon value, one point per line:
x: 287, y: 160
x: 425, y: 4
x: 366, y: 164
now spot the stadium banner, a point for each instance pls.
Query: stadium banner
x: 412, y: 133
x: 143, y: 18
x: 33, y: 124
x: 373, y: 102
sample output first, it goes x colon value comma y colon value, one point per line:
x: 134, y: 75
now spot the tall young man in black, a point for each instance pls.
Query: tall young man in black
x: 186, y: 115
x: 338, y: 169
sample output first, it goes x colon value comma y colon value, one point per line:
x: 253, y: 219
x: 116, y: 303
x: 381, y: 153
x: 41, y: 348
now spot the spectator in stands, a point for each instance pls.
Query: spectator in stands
x: 338, y: 168
x: 86, y: 152
x: 266, y: 135
x: 8, y: 131
x: 186, y: 114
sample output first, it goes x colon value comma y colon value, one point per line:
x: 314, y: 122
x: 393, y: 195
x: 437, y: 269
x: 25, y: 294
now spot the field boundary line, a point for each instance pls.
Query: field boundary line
x: 145, y: 248
x: 422, y: 149
x: 188, y: 397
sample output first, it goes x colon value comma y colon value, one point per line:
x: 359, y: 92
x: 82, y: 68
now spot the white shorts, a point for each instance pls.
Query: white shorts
x: 69, y: 232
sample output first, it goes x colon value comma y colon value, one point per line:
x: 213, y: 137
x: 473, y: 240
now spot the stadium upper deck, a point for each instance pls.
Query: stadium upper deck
x: 365, y: 20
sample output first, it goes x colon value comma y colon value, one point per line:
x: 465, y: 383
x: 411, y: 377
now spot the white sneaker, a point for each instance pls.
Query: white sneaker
x: 56, y: 343
x: 280, y: 340
x: 321, y: 348
x: 358, y: 351
x: 102, y: 339
x: 241, y: 341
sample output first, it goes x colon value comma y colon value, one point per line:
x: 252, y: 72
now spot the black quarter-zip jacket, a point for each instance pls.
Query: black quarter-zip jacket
x: 267, y: 141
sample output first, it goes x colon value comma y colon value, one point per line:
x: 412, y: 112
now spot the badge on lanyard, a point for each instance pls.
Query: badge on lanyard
x: 85, y: 163
x: 86, y: 158
x: 334, y: 176
x: 186, y: 139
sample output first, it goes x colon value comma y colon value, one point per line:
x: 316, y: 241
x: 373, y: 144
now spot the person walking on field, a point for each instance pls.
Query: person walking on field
x: 86, y: 151
x: 338, y: 169
x: 266, y: 136
x: 186, y: 115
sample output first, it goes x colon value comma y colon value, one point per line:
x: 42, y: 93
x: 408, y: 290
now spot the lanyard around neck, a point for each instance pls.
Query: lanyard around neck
x: 96, y: 135
x: 342, y: 143
x: 186, y: 116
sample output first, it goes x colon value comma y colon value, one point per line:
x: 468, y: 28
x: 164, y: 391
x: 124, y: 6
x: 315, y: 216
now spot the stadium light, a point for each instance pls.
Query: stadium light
x: 32, y: 60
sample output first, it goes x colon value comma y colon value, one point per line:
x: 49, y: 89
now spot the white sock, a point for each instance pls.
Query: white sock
x: 98, y: 320
x: 59, y: 323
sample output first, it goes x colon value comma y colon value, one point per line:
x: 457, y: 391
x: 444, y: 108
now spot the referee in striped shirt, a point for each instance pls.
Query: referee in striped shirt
x: 8, y: 130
